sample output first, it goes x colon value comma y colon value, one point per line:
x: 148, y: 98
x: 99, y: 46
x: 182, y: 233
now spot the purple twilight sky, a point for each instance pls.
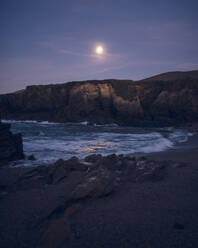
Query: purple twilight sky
x: 51, y: 41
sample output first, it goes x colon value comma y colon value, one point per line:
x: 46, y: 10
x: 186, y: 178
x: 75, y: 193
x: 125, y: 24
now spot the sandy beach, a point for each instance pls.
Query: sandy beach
x: 140, y: 213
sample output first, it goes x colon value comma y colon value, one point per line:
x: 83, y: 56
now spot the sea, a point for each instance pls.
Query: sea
x: 51, y: 141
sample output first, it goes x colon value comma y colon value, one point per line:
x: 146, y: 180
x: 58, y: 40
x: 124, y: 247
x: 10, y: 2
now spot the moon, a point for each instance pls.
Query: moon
x: 99, y: 50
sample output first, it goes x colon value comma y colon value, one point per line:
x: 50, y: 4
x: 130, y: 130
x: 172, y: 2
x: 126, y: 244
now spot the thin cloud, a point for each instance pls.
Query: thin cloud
x: 74, y: 53
x: 188, y: 65
x: 59, y: 44
x: 56, y: 41
x: 91, y: 55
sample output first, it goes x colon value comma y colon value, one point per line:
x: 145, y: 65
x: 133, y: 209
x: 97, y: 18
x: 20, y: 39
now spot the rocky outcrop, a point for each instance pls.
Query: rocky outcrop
x: 170, y: 98
x: 11, y: 147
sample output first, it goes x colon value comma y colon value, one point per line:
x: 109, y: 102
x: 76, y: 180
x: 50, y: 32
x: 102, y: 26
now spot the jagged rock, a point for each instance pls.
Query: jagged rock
x: 111, y: 162
x: 150, y: 170
x: 72, y: 164
x: 31, y: 157
x: 57, y: 173
x: 60, y: 162
x: 61, y: 169
x: 178, y: 164
x: 11, y: 147
x: 194, y: 127
x: 93, y: 158
x: 75, y: 164
x: 99, y: 183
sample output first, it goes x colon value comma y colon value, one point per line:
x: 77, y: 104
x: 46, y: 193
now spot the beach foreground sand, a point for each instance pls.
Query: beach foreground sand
x: 103, y: 208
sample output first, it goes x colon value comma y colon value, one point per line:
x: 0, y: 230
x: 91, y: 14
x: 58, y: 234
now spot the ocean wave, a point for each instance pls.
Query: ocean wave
x: 179, y: 136
x: 104, y: 143
x: 51, y: 142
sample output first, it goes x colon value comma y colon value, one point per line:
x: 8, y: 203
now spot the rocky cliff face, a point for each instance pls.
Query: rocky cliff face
x: 11, y: 147
x: 125, y: 102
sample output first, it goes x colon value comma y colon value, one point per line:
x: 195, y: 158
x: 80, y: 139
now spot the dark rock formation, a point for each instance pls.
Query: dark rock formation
x: 170, y: 98
x: 93, y: 158
x: 11, y: 147
x: 31, y: 157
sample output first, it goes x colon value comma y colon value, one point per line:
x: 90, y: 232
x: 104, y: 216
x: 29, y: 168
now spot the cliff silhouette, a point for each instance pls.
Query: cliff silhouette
x: 165, y: 99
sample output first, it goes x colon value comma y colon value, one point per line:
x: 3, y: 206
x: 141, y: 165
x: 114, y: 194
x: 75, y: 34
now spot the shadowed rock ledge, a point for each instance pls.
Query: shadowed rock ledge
x: 11, y: 146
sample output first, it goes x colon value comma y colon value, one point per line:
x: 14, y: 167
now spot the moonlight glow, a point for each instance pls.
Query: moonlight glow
x: 99, y: 50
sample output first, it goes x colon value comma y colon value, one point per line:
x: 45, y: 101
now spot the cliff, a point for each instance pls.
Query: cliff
x: 170, y: 98
x: 11, y: 147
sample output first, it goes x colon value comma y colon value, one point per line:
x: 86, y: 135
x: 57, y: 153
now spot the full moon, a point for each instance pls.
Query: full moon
x: 99, y: 50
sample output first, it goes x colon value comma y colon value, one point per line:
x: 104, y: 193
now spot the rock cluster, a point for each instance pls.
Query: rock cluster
x: 99, y: 175
x: 11, y: 147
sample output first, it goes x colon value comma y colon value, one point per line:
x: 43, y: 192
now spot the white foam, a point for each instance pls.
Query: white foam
x: 179, y: 136
x: 17, y: 121
x: 83, y: 123
x: 30, y: 121
x: 106, y: 125
x: 47, y: 123
x: 86, y: 123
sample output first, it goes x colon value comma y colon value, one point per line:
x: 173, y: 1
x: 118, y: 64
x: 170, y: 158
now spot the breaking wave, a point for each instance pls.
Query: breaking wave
x: 51, y: 141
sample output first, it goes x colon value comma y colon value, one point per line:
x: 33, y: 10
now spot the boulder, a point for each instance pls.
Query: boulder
x: 148, y: 170
x: 93, y: 158
x: 75, y: 164
x: 110, y: 162
x: 98, y: 183
x: 31, y: 157
x: 11, y: 146
x: 61, y: 169
x: 72, y: 164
